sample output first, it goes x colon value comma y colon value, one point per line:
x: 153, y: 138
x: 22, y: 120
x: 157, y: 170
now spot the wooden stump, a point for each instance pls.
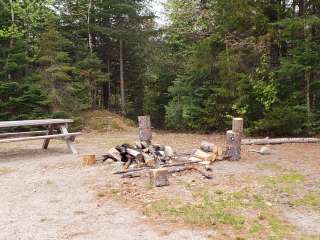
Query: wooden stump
x: 159, y: 177
x: 237, y: 125
x: 233, y: 144
x: 145, y: 132
x: 89, y: 160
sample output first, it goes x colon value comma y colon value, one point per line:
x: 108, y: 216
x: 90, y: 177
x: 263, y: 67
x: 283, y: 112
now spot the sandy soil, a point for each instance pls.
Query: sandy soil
x: 50, y: 195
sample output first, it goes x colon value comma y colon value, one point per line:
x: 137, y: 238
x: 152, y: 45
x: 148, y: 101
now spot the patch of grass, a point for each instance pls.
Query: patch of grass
x: 256, y: 227
x: 208, y: 212
x: 209, y: 209
x: 278, y: 227
x: 226, y: 208
x: 4, y: 170
x: 311, y: 200
x: 284, y: 182
x: 272, y: 166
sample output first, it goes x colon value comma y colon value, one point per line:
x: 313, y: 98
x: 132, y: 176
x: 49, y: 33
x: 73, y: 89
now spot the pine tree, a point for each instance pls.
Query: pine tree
x: 55, y: 69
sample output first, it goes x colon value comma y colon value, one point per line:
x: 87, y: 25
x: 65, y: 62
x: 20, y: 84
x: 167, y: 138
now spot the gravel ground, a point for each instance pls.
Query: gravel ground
x: 47, y: 195
x: 51, y: 195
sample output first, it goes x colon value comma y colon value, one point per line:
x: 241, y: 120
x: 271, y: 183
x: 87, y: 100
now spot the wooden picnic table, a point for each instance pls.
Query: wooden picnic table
x: 55, y: 129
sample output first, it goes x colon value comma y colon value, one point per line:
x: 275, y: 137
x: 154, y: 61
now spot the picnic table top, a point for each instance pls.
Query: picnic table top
x: 41, y: 122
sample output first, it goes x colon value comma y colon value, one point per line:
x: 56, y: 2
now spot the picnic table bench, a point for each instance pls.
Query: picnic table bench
x: 54, y: 129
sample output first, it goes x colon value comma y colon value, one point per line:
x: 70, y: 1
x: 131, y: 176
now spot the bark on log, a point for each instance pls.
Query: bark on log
x: 271, y: 141
x: 237, y: 125
x: 233, y: 144
x: 170, y: 171
x: 145, y: 132
x: 159, y: 177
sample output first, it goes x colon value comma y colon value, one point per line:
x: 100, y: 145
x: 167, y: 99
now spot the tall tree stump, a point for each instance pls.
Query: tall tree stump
x: 145, y: 133
x: 159, y: 177
x: 237, y: 125
x: 233, y: 151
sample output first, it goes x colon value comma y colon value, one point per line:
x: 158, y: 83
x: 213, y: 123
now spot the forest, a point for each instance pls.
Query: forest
x: 212, y: 60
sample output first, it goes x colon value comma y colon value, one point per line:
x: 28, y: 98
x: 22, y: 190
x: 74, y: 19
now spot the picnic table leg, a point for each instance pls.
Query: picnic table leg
x: 71, y: 146
x: 47, y: 141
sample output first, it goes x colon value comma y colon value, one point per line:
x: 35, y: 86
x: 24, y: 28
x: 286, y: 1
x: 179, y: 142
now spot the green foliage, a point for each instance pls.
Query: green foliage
x: 244, y: 58
x: 19, y: 102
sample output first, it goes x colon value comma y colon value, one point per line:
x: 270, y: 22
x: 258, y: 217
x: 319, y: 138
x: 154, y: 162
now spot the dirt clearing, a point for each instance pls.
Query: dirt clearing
x: 50, y: 195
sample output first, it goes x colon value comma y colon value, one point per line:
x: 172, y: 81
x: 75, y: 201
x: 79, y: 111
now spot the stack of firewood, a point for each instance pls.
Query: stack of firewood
x: 207, y: 153
x: 142, y: 154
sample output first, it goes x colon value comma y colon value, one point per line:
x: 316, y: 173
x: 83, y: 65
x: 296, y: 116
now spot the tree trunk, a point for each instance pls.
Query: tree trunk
x: 89, y: 32
x: 123, y: 104
x: 11, y: 39
x: 308, y: 103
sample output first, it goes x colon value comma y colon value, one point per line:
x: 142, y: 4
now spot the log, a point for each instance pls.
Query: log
x: 89, y: 160
x: 233, y: 151
x: 183, y: 163
x: 186, y: 168
x: 204, y: 155
x: 145, y: 133
x: 168, y: 151
x: 170, y: 171
x: 159, y: 177
x: 131, y: 170
x: 237, y: 125
x: 113, y: 154
x: 271, y: 141
x: 149, y: 160
x: 208, y: 147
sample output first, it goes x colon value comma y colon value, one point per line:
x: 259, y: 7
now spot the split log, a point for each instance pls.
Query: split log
x: 149, y: 160
x: 159, y: 177
x: 132, y: 152
x: 204, y: 155
x: 208, y: 147
x: 168, y: 151
x: 233, y: 144
x: 271, y: 141
x: 114, y: 154
x: 237, y: 125
x: 145, y: 133
x: 89, y: 160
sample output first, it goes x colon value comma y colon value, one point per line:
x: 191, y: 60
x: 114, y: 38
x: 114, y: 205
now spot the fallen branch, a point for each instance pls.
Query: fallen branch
x: 271, y: 141
x: 170, y: 171
x: 148, y: 168
x: 181, y: 164
x: 132, y: 170
x: 186, y: 168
